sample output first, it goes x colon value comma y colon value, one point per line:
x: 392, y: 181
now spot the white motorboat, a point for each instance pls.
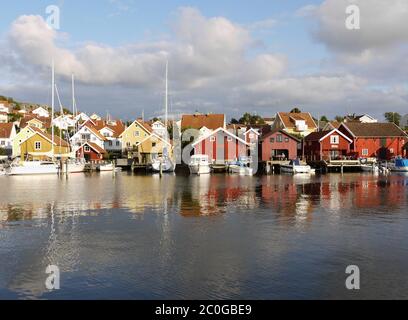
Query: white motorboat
x: 76, y: 166
x: 104, y: 167
x: 400, y: 165
x: 32, y: 168
x: 163, y: 164
x: 295, y: 166
x: 370, y: 168
x: 241, y: 169
x: 199, y: 164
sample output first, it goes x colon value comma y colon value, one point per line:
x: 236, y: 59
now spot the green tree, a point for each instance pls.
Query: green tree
x: 339, y: 118
x: 251, y: 119
x: 295, y: 110
x: 234, y: 121
x: 393, y: 117
x: 324, y: 118
x: 3, y: 152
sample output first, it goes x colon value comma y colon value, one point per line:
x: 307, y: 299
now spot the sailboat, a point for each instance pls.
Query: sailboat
x: 75, y: 165
x: 21, y: 167
x: 164, y: 163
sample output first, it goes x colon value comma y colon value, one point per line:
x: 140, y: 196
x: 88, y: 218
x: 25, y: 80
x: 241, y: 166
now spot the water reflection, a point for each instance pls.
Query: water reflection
x: 216, y: 236
x: 26, y: 198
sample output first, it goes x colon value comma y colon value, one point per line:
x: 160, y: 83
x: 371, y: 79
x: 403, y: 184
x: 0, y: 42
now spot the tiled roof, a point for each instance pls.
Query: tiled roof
x: 197, y: 121
x: 57, y: 139
x: 359, y: 129
x: 287, y: 119
x: 316, y: 136
x: 5, y: 130
x: 45, y: 121
x: 94, y: 146
x: 95, y: 131
x: 268, y: 134
x: 117, y: 128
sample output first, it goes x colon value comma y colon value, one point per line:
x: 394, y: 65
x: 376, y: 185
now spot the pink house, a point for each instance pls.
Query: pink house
x: 221, y: 146
x: 278, y: 144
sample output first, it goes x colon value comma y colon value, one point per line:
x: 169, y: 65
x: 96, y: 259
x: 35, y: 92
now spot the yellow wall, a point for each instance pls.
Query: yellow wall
x: 20, y: 137
x: 147, y: 146
x: 28, y: 147
x: 130, y: 137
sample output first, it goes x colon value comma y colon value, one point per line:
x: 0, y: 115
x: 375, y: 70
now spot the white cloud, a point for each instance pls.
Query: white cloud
x: 212, y: 69
x: 384, y: 23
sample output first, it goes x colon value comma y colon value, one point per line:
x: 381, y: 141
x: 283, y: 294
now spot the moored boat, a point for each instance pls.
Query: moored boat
x: 105, y: 167
x: 199, y: 164
x: 400, y: 165
x: 163, y: 164
x: 18, y: 168
x: 295, y: 166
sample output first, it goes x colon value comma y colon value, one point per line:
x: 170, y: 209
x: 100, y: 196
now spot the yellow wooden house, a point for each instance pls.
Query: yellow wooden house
x: 23, y: 135
x: 39, y: 146
x: 134, y: 134
x: 152, y: 146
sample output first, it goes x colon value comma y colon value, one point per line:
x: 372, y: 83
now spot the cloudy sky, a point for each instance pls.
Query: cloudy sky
x: 226, y: 56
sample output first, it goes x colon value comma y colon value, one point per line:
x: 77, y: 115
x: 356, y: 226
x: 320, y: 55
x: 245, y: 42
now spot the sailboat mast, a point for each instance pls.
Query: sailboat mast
x: 166, y: 95
x: 52, y: 106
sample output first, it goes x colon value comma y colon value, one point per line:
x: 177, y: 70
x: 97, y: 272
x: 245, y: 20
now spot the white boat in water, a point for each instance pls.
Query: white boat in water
x: 370, y: 168
x: 295, y: 166
x: 76, y: 166
x: 163, y: 164
x: 104, y: 167
x: 400, y: 165
x: 242, y: 167
x: 199, y: 164
x: 32, y: 168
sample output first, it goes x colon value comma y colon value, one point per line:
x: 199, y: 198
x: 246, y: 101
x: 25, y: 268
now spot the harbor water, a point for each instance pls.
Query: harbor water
x: 128, y: 236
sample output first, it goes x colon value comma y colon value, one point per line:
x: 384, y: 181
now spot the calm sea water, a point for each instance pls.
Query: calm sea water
x: 214, y: 237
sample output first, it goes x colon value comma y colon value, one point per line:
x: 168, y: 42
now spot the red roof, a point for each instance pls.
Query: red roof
x: 197, y: 121
x: 95, y: 147
x: 45, y: 121
x: 5, y: 130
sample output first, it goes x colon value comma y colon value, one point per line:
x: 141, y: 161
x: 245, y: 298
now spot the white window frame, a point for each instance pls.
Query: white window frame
x: 35, y: 145
x: 212, y: 139
x: 137, y: 133
x: 87, y: 149
x: 364, y: 152
x: 229, y: 139
x: 335, y: 139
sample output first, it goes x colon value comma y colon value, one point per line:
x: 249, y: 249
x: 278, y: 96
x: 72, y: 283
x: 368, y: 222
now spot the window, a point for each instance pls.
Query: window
x: 87, y: 149
x: 364, y: 152
x: 153, y: 144
x: 37, y: 145
x: 86, y: 136
x: 212, y: 139
x: 110, y: 143
x: 128, y: 144
x: 334, y: 139
x: 229, y: 139
x: 3, y: 142
x: 391, y: 150
x: 117, y: 143
x: 137, y: 133
x: 279, y: 138
x: 286, y: 140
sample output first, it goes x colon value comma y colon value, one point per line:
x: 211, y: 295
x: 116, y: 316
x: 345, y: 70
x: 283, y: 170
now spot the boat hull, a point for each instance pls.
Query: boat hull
x: 200, y: 169
x: 296, y: 169
x: 166, y: 166
x: 33, y: 169
x: 242, y: 171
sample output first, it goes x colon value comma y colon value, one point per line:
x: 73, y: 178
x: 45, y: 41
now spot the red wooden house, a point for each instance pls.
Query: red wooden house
x: 278, y: 144
x: 221, y: 146
x: 91, y: 152
x: 326, y: 145
x: 375, y: 140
